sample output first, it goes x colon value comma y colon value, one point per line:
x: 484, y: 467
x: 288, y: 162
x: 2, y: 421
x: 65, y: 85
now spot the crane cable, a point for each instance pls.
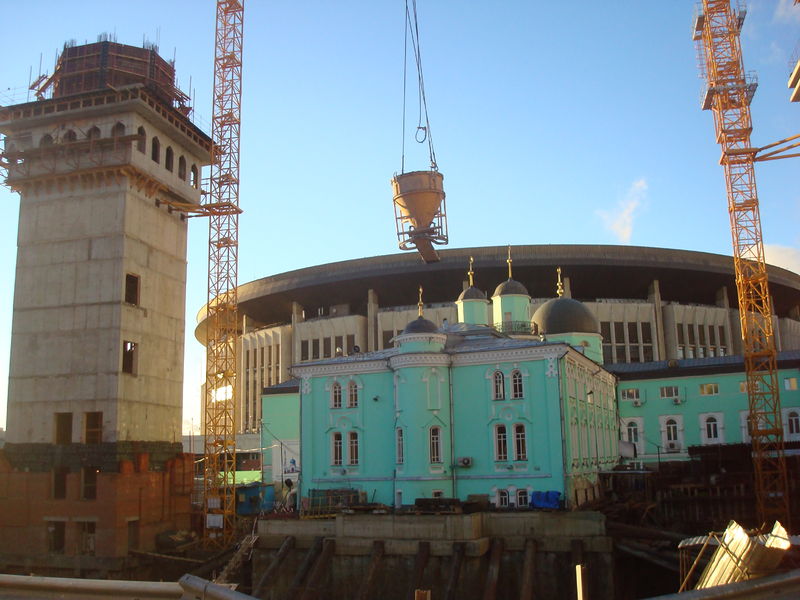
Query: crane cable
x: 423, y: 132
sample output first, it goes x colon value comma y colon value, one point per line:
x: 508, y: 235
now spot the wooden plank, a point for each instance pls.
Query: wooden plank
x: 528, y: 566
x: 265, y: 580
x: 312, y: 590
x: 493, y: 573
x: 378, y: 550
x: 459, y: 549
x: 421, y: 561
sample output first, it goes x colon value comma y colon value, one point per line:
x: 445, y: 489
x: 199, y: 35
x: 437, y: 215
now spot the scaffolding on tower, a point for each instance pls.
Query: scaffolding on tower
x: 728, y: 95
x: 219, y: 407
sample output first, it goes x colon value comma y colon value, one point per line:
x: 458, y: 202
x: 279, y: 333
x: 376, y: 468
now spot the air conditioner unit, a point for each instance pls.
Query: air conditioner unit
x: 676, y: 400
x: 637, y: 402
x: 465, y: 461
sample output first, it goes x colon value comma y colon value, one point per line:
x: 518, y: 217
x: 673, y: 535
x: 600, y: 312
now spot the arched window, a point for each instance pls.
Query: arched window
x: 712, y: 431
x: 155, y: 150
x: 336, y: 449
x: 793, y: 422
x: 182, y: 168
x: 194, y: 180
x: 672, y: 430
x: 169, y: 158
x: 435, y: 439
x: 516, y: 384
x: 502, y: 498
x: 118, y: 130
x: 141, y: 143
x: 500, y: 443
x: 93, y: 133
x: 352, y: 448
x: 399, y: 447
x: 499, y: 386
x: 47, y: 140
x: 633, y: 432
x: 352, y: 394
x: 522, y: 498
x: 70, y: 136
x: 336, y: 395
x: 520, y: 443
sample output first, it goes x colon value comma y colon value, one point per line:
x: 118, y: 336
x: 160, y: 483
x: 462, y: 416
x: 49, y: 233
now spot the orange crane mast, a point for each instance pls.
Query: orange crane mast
x: 728, y: 96
x: 219, y: 407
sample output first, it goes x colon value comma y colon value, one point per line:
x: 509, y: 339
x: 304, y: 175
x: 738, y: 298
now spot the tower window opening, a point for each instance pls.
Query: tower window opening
x: 132, y: 289
x: 130, y: 357
x: 47, y: 140
x: 169, y: 159
x: 194, y: 179
x: 89, y: 483
x: 182, y: 168
x: 70, y: 136
x: 64, y: 428
x: 93, y: 133
x: 155, y: 150
x: 141, y: 143
x: 118, y: 130
x: 93, y: 428
x: 60, y: 483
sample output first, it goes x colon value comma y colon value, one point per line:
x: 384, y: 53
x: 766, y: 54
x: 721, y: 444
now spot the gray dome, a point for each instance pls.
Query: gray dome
x: 510, y: 286
x: 421, y: 325
x: 564, y: 315
x: 472, y: 293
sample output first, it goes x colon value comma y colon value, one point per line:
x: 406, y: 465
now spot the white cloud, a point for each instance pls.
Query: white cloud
x: 787, y: 12
x: 620, y: 221
x: 783, y: 256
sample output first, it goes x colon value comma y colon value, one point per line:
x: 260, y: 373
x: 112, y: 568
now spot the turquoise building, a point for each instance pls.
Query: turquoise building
x: 665, y: 407
x: 457, y: 409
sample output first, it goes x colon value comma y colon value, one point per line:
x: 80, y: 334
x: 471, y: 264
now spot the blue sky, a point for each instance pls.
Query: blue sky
x: 553, y: 123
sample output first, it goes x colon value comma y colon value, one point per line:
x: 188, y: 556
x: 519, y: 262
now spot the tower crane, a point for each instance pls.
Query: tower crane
x: 219, y: 406
x: 728, y: 95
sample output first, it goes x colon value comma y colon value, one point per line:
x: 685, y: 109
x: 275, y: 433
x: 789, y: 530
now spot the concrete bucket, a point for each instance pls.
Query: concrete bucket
x: 418, y: 195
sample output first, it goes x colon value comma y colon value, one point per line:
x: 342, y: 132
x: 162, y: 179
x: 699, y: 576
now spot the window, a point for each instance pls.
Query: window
x: 500, y: 443
x: 743, y: 386
x: 314, y: 348
x: 672, y: 430
x: 47, y: 140
x: 336, y: 453
x: 522, y: 498
x: 60, y: 482
x: 712, y: 431
x: 194, y: 180
x: 169, y: 159
x: 387, y: 335
x: 630, y: 394
x: 435, y: 438
x: 64, y: 428
x: 93, y: 428
x: 793, y: 423
x: 89, y: 483
x: 336, y: 395
x: 118, y: 130
x: 352, y: 448
x: 93, y: 133
x: 155, y: 150
x: 326, y: 347
x: 633, y: 432
x: 132, y: 289
x: 129, y: 357
x: 399, y: 447
x: 499, y: 386
x: 55, y: 536
x: 304, y: 350
x: 669, y: 391
x: 502, y: 498
x: 516, y: 384
x: 790, y: 383
x: 141, y: 143
x: 437, y: 494
x: 351, y: 344
x: 709, y: 389
x: 352, y: 394
x: 520, y: 444
x: 70, y: 136
x: 86, y: 536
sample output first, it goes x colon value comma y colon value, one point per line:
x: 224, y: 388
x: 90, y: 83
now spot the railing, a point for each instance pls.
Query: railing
x: 514, y: 327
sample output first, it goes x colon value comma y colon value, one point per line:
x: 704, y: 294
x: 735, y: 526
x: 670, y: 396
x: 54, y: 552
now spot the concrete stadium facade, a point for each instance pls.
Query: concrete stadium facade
x: 652, y: 304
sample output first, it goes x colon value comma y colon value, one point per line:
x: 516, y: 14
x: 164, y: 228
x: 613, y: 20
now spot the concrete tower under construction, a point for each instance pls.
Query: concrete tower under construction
x: 104, y: 161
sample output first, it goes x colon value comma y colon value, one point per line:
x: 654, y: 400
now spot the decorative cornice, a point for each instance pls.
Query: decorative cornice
x: 420, y: 359
x: 342, y: 368
x: 553, y: 351
x: 422, y: 337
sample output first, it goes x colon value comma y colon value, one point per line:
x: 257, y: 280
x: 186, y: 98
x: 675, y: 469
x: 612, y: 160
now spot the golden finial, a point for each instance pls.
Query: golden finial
x: 559, y: 285
x: 419, y: 304
x: 471, y: 272
x: 508, y: 260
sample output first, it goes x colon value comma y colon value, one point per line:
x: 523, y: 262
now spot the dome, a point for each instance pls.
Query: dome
x: 564, y: 315
x: 421, y: 325
x: 472, y: 293
x: 510, y: 286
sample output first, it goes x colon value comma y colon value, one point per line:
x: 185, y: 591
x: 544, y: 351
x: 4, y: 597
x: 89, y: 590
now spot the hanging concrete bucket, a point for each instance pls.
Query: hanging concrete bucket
x: 419, y: 211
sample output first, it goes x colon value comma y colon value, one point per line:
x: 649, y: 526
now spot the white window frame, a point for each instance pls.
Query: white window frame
x: 517, y: 388
x: 352, y: 448
x: 520, y: 442
x: 790, y: 383
x: 679, y: 445
x: 399, y: 446
x: 709, y: 389
x: 629, y: 394
x: 639, y: 422
x: 787, y: 435
x: 501, y: 442
x: 336, y: 395
x: 668, y: 392
x: 744, y: 426
x: 503, y: 498
x: 435, y: 444
x: 337, y: 449
x: 523, y: 498
x: 498, y: 385
x: 703, y: 420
